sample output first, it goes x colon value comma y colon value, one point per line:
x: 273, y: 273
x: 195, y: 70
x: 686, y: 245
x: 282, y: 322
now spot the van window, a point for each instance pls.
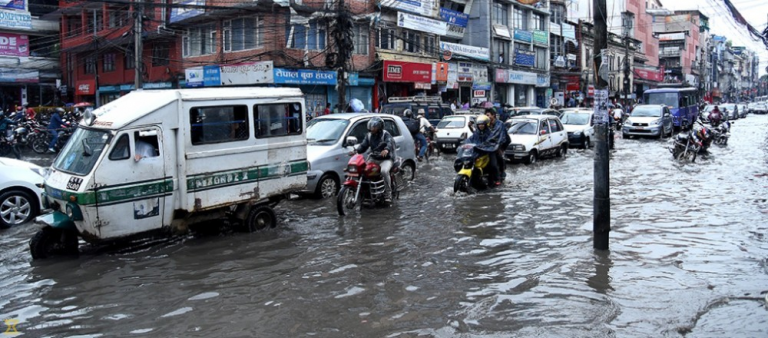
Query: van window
x: 391, y: 127
x: 279, y: 119
x: 218, y: 124
x: 146, y: 146
x: 121, y: 151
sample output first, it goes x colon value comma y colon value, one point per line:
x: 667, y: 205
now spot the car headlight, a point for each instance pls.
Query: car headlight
x: 519, y: 147
x: 655, y: 122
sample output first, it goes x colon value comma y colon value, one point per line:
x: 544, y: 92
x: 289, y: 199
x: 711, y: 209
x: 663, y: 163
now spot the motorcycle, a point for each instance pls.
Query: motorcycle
x: 470, y: 169
x: 431, y: 146
x: 364, y: 184
x: 686, y: 146
x: 705, y: 135
x: 8, y: 145
x: 40, y: 143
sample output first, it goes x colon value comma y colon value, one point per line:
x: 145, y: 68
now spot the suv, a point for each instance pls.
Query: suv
x: 649, y: 120
x: 327, y: 155
x: 452, y: 130
x: 534, y: 136
x: 580, y: 127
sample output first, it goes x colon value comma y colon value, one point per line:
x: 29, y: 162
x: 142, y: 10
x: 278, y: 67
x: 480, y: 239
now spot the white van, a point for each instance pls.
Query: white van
x: 161, y: 160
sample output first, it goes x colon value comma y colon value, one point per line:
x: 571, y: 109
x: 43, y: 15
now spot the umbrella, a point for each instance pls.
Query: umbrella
x: 83, y: 104
x: 487, y: 104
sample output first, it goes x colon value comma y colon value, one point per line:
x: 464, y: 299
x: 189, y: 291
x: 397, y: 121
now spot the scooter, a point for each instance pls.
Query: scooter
x: 470, y: 169
x: 364, y: 184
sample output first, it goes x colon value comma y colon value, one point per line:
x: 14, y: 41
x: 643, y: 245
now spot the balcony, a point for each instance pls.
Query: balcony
x: 669, y: 52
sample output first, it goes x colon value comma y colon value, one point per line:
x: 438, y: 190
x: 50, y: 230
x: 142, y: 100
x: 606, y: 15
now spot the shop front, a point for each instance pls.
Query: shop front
x: 646, y: 78
x: 85, y: 91
x: 407, y: 79
x: 543, y: 92
x: 519, y: 86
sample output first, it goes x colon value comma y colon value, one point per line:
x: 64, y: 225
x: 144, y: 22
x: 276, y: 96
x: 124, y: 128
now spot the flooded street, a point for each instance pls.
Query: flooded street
x: 688, y: 258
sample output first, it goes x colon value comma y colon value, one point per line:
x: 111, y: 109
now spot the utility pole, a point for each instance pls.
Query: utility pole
x: 137, y: 30
x: 96, y: 63
x: 601, y: 221
x: 628, y: 23
x: 342, y: 36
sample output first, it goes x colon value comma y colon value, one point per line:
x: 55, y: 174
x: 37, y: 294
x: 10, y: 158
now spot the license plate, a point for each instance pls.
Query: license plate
x: 636, y: 130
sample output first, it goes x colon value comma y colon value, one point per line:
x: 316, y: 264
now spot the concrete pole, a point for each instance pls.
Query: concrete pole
x: 601, y: 222
x: 138, y: 47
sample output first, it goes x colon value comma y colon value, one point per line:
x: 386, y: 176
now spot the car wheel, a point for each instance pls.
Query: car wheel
x: 586, y: 144
x: 17, y: 207
x: 561, y: 151
x: 532, y: 157
x: 327, y: 187
x: 626, y: 136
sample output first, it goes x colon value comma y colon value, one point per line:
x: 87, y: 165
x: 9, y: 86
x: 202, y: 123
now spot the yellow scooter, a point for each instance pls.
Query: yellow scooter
x: 470, y: 169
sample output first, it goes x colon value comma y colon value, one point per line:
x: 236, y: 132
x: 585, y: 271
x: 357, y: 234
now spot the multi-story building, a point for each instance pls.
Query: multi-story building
x: 646, y: 74
x: 29, y: 67
x: 565, y: 70
x: 679, y: 41
x: 616, y: 56
x: 97, y: 45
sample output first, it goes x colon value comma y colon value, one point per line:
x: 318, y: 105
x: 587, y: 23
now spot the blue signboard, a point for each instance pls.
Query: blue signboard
x: 524, y: 36
x: 211, y: 76
x: 14, y: 4
x: 183, y: 13
x: 453, y: 17
x: 525, y: 58
x: 305, y: 77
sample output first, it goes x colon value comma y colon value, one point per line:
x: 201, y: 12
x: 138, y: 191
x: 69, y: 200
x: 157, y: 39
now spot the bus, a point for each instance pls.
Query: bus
x: 683, y: 103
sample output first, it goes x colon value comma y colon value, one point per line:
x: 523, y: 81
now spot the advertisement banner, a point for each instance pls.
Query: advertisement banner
x: 525, y: 58
x: 481, y: 86
x: 649, y: 74
x: 14, y: 44
x: 521, y: 77
x: 211, y: 76
x: 671, y: 36
x: 247, y: 73
x: 183, y: 13
x: 305, y: 77
x: 85, y: 87
x: 193, y: 77
x: 441, y: 72
x: 455, y: 31
x: 453, y: 17
x: 398, y: 71
x: 453, y: 76
x: 420, y: 7
x: 14, y: 4
x: 480, y: 74
x: 479, y: 53
x: 15, y: 19
x: 540, y: 37
x: 502, y: 76
x: 542, y: 80
x: 524, y: 36
x: 422, y: 24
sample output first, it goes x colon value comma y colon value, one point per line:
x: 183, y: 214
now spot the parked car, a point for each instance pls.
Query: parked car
x: 453, y: 130
x: 535, y: 136
x: 21, y: 186
x: 743, y: 110
x: 521, y: 111
x: 733, y: 110
x: 649, y: 120
x: 761, y: 108
x: 580, y: 127
x: 327, y: 155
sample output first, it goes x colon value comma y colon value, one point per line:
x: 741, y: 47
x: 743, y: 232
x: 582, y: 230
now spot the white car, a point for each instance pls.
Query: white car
x: 452, y: 130
x: 534, y: 136
x: 580, y: 127
x: 21, y: 185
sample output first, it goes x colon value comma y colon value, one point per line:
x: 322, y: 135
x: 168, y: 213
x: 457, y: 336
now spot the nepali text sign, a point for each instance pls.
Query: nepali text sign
x: 398, y: 71
x: 211, y: 75
x: 648, y: 74
x: 525, y: 58
x: 502, y: 76
x: 671, y: 36
x: 521, y: 77
x: 540, y: 37
x: 479, y: 53
x: 15, y: 19
x: 464, y: 72
x: 85, y: 87
x: 247, y: 73
x: 420, y: 7
x: 542, y: 80
x: 14, y: 44
x: 453, y: 17
x: 305, y: 77
x: 182, y: 13
x: 421, y: 23
x: 14, y: 4
x: 524, y: 36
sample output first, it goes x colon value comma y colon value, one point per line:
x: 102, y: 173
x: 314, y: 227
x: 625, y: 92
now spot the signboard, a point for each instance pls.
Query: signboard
x: 420, y: 23
x: 453, y: 17
x: 455, y: 31
x: 211, y: 75
x: 540, y: 37
x: 465, y: 72
x: 420, y: 7
x: 478, y: 93
x: 247, y: 73
x: 521, y: 77
x: 671, y: 36
x: 157, y: 85
x: 19, y: 75
x: 480, y: 74
x: 649, y: 74
x: 85, y: 87
x: 453, y: 76
x: 542, y: 80
x: 183, y: 13
x: 447, y: 55
x: 571, y: 87
x: 398, y: 71
x: 14, y: 44
x: 193, y: 77
x: 305, y: 77
x: 478, y: 53
x: 601, y: 106
x: 481, y: 86
x: 502, y: 75
x: 525, y: 58
x: 15, y: 19
x: 524, y: 36
x: 591, y: 91
x: 554, y: 28
x: 14, y: 4
x: 559, y: 61
x: 421, y: 85
x: 441, y: 72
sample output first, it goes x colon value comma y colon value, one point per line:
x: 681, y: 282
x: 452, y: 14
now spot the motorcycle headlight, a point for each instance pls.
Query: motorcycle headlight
x: 352, y: 169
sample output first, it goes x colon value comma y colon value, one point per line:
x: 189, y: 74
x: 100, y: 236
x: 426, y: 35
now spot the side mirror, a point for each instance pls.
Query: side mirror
x: 351, y: 141
x: 543, y: 132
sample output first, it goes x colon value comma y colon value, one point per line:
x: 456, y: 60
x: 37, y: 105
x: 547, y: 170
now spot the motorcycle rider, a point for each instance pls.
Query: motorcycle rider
x: 382, y: 146
x: 715, y: 116
x: 497, y: 127
x: 424, y: 126
x: 53, y: 128
x: 6, y: 130
x: 487, y: 142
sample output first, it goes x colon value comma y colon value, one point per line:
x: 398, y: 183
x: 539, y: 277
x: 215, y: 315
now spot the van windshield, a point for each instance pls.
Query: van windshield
x: 82, y: 151
x: 667, y: 99
x: 325, y: 130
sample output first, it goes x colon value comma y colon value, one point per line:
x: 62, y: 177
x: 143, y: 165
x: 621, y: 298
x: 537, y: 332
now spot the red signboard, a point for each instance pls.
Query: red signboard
x: 591, y: 91
x: 572, y: 87
x: 397, y: 71
x: 85, y: 87
x: 651, y: 75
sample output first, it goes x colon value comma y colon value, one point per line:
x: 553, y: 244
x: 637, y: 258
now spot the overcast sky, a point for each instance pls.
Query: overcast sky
x: 722, y: 23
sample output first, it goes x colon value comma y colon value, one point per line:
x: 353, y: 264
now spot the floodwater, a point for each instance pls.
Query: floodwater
x: 688, y: 258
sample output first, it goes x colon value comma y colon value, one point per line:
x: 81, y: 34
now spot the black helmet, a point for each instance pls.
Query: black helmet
x: 408, y: 113
x: 60, y: 110
x: 375, y: 122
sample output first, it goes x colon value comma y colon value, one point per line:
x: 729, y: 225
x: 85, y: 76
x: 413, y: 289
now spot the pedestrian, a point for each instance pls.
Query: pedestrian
x: 327, y: 109
x: 453, y: 104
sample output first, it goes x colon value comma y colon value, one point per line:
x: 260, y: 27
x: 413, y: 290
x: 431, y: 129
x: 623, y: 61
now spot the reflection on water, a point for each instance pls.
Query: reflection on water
x: 687, y: 257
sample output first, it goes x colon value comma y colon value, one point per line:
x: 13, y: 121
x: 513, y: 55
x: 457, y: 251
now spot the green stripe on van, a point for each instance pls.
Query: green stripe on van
x: 246, y: 175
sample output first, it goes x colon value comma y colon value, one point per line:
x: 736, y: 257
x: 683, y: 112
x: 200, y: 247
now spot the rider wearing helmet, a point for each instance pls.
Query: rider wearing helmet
x: 54, y: 126
x: 5, y: 123
x: 382, y: 151
x: 487, y: 142
x: 715, y: 116
x: 424, y: 127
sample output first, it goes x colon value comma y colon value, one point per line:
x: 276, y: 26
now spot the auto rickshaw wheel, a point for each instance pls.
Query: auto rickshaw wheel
x: 51, y: 241
x: 259, y: 218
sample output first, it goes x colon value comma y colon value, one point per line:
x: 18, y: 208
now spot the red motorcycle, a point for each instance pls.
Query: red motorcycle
x: 365, y: 185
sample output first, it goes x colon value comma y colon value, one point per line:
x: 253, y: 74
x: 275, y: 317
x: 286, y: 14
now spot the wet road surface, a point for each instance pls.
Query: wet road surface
x: 688, y: 257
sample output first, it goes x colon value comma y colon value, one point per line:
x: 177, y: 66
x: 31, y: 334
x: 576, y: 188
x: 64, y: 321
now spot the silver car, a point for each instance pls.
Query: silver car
x: 649, y: 120
x: 327, y: 155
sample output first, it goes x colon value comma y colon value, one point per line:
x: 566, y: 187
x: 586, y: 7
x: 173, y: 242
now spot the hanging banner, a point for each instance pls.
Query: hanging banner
x: 421, y: 7
x: 398, y: 71
x: 247, y: 73
x: 601, y: 106
x: 453, y: 17
x: 671, y: 36
x: 479, y: 53
x: 441, y: 72
x: 14, y: 44
x: 540, y: 37
x: 453, y: 76
x: 480, y: 74
x: 524, y: 36
x: 648, y: 74
x: 14, y: 4
x: 15, y: 19
x: 422, y: 24
x: 305, y: 77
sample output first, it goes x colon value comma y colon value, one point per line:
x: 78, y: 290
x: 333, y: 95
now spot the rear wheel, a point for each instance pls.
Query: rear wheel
x: 259, y: 218
x: 40, y: 144
x: 586, y: 143
x: 345, y: 201
x: 561, y: 151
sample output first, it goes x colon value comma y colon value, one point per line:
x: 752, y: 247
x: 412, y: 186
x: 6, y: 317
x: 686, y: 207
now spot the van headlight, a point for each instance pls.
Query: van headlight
x: 70, y: 212
x: 73, y: 212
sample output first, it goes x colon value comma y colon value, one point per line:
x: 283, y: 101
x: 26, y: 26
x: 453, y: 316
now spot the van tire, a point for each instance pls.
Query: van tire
x: 259, y: 218
x: 50, y: 241
x: 323, y: 187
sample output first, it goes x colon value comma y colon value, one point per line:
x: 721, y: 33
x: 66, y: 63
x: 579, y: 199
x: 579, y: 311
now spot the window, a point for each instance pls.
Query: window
x: 360, y: 130
x: 130, y: 61
x: 145, y: 146
x: 500, y: 14
x: 544, y: 126
x: 160, y: 55
x: 122, y: 150
x: 554, y: 126
x: 521, y: 19
x: 391, y: 127
x: 360, y: 39
x: 218, y: 124
x: 280, y: 119
x: 429, y: 45
x: 588, y: 58
x: 243, y: 34
x: 108, y: 64
x: 90, y: 64
x: 199, y: 41
x: 302, y: 37
x: 386, y: 39
x: 555, y: 47
x: 412, y: 41
x: 501, y: 51
x: 117, y: 16
x: 556, y: 14
x: 541, y: 58
x: 93, y: 20
x: 73, y: 26
x: 539, y: 23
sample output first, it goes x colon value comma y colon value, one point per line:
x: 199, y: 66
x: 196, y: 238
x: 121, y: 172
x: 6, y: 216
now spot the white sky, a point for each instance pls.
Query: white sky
x: 721, y: 21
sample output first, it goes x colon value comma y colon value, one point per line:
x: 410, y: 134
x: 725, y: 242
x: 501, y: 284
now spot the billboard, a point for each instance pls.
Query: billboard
x: 14, y: 44
x: 398, y: 71
x: 14, y: 4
